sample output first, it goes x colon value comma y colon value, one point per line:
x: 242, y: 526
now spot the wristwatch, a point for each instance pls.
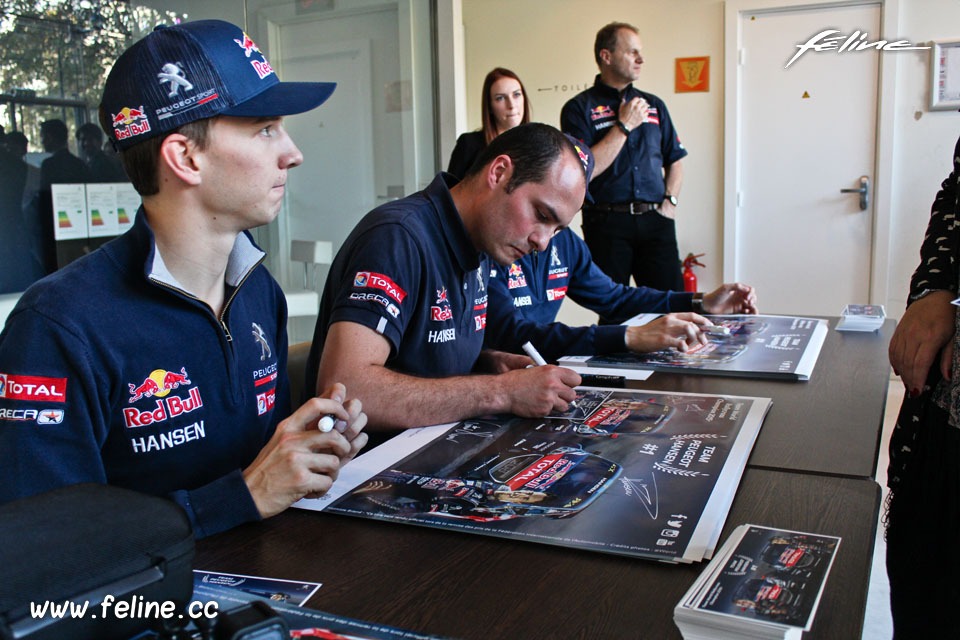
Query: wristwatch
x: 696, y: 303
x: 672, y: 199
x: 623, y: 128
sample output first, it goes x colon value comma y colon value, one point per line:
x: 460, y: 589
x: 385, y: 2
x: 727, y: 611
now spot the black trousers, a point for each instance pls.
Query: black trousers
x: 642, y: 245
x: 923, y: 530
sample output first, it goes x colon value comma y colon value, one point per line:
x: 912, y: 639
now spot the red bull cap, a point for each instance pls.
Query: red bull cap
x: 196, y: 70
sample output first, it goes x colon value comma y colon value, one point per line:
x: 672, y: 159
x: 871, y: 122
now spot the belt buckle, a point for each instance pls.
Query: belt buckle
x: 632, y: 212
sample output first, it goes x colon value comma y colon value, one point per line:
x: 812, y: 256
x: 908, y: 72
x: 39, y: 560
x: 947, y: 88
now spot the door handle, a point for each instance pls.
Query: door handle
x: 864, y: 192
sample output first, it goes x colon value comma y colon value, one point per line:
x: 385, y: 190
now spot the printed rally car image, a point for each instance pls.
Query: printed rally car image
x: 795, y: 552
x: 724, y: 349
x: 616, y: 417
x: 557, y: 484
x: 768, y: 598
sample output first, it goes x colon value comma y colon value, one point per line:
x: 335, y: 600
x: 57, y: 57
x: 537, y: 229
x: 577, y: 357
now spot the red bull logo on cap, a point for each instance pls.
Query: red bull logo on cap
x: 130, y: 122
x: 248, y: 45
x: 262, y: 67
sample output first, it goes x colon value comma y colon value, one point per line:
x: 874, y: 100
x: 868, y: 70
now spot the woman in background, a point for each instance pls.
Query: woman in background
x: 503, y: 106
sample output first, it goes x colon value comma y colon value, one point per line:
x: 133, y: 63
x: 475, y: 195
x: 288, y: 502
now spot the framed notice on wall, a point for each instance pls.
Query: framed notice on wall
x: 945, y: 75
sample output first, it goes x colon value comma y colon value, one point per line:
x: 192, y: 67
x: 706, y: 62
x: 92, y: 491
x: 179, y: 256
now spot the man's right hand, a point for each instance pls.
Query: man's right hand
x: 300, y: 460
x: 633, y: 112
x: 537, y: 391
x: 678, y: 330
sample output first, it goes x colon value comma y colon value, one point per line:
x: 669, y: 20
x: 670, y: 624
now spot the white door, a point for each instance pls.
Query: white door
x: 805, y: 133
x: 334, y: 188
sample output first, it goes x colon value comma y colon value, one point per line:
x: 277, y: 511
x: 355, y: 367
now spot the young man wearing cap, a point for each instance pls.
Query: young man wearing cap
x: 403, y: 312
x: 158, y: 363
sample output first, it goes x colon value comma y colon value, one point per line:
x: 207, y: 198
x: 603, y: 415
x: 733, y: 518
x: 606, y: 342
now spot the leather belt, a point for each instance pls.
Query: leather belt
x: 633, y: 208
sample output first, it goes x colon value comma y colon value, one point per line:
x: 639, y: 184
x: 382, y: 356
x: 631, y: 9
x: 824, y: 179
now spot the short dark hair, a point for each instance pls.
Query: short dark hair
x: 533, y: 147
x: 89, y: 129
x: 141, y: 161
x: 56, y: 129
x: 486, y: 113
x: 607, y: 38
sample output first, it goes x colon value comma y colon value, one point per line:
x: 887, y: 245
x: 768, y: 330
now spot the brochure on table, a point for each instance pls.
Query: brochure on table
x: 757, y: 347
x: 638, y: 473
x: 303, y: 622
x: 763, y: 582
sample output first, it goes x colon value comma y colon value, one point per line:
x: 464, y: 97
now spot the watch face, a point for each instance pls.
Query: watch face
x: 673, y: 200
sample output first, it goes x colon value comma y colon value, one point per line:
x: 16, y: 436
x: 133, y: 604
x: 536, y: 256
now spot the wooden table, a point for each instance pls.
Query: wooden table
x: 811, y: 470
x: 467, y: 586
x: 830, y: 424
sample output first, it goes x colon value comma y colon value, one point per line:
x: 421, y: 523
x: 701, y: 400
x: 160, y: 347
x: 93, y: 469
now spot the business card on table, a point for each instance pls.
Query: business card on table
x: 291, y: 592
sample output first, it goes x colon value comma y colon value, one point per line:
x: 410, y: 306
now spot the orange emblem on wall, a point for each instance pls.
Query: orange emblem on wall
x: 692, y: 74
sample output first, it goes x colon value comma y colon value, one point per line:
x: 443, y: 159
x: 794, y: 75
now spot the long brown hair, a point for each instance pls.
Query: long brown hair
x: 489, y: 125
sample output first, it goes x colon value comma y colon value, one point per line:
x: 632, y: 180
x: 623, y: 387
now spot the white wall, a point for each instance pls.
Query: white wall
x: 923, y: 142
x: 549, y: 44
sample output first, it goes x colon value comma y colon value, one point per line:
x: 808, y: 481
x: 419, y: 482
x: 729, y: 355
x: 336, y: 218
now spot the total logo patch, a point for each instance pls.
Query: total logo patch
x: 265, y: 401
x: 480, y: 322
x: 36, y: 388
x: 556, y: 294
x: 40, y: 416
x: 369, y: 279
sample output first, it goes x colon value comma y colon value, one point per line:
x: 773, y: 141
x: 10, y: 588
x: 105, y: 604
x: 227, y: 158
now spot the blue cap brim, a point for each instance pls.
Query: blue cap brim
x: 283, y: 99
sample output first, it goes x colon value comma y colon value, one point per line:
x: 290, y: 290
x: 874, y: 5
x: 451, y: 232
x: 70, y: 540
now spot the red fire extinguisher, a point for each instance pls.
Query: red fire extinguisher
x: 689, y: 277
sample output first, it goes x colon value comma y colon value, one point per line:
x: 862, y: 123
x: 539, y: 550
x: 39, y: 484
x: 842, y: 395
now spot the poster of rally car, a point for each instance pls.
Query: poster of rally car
x: 746, y: 345
x: 638, y: 473
x: 772, y: 575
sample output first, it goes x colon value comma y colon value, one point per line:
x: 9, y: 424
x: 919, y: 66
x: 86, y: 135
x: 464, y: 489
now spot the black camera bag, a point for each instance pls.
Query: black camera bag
x: 81, y: 543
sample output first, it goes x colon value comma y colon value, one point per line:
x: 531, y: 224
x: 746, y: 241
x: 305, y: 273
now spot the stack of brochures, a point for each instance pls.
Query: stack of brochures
x: 862, y: 317
x: 763, y: 583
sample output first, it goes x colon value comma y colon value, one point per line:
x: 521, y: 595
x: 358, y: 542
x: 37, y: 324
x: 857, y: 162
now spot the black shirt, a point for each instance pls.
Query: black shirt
x: 636, y: 172
x: 410, y: 272
x: 468, y: 147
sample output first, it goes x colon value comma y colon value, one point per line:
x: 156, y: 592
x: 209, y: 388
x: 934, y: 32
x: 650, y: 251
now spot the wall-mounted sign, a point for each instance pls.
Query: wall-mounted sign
x: 692, y: 74
x: 945, y: 75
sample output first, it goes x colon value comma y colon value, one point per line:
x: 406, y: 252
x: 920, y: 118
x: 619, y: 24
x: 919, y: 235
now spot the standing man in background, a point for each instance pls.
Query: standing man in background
x: 630, y: 226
